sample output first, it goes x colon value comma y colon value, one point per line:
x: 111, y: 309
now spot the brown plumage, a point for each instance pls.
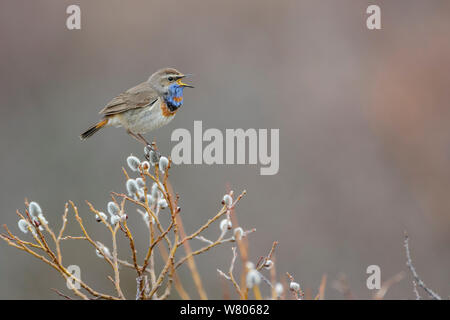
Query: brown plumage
x: 144, y: 107
x: 137, y: 97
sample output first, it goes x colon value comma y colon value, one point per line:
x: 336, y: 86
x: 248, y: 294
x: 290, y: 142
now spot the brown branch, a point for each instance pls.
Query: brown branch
x: 61, y: 294
x: 230, y: 276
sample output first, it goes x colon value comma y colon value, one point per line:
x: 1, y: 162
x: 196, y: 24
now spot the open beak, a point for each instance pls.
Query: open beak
x: 184, y: 84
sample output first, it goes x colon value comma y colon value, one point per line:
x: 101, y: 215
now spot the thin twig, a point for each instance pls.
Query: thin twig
x: 419, y: 281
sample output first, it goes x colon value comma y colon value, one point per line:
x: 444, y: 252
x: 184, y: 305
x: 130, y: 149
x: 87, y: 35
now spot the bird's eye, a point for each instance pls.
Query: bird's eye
x: 170, y: 78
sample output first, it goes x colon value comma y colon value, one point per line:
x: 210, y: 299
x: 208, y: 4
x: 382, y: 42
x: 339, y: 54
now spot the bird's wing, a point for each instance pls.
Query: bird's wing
x: 137, y: 97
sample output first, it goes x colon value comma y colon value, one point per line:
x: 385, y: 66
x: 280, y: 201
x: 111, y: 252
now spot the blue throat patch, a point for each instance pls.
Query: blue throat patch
x: 174, y: 98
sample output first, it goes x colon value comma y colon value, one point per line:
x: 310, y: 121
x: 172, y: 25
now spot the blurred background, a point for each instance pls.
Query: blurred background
x: 363, y: 118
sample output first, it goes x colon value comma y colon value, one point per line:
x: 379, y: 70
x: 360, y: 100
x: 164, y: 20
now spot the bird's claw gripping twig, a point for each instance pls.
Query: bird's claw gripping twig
x: 151, y: 153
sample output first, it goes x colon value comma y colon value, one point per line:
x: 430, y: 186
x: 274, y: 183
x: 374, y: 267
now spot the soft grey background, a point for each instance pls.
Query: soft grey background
x: 363, y: 118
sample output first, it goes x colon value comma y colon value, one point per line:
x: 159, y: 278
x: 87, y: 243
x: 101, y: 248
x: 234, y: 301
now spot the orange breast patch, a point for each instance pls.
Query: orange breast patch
x: 165, y: 110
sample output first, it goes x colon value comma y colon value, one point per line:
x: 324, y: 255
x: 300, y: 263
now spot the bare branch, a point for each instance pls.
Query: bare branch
x: 419, y: 281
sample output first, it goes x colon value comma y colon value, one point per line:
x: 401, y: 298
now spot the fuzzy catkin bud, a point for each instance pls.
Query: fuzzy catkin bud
x: 253, y: 278
x: 150, y: 200
x: 162, y: 203
x: 146, y: 218
x: 227, y: 200
x: 113, y: 208
x: 294, y: 286
x: 238, y: 233
x: 104, y: 250
x: 133, y: 162
x: 153, y: 157
x: 141, y: 195
x: 225, y: 225
x: 132, y: 187
x: 140, y: 182
x: 155, y: 191
x: 42, y: 219
x: 97, y: 252
x: 34, y: 209
x: 163, y: 164
x: 145, y: 165
x: 101, y: 214
x: 268, y: 265
x: 23, y: 225
x: 279, y: 289
x: 115, y: 219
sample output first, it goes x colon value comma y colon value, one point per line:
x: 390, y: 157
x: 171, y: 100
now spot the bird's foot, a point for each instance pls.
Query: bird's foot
x: 151, y: 153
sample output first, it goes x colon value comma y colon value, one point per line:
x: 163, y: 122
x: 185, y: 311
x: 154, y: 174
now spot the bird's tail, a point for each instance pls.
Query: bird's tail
x: 89, y: 132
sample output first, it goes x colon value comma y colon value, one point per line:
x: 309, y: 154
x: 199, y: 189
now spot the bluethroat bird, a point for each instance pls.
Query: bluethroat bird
x: 145, y: 107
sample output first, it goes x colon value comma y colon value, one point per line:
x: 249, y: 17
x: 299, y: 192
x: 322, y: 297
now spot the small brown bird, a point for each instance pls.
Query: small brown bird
x: 145, y: 107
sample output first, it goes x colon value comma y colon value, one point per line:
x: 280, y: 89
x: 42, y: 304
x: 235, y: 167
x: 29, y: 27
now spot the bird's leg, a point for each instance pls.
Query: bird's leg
x: 149, y: 146
x: 137, y: 137
x: 143, y: 139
